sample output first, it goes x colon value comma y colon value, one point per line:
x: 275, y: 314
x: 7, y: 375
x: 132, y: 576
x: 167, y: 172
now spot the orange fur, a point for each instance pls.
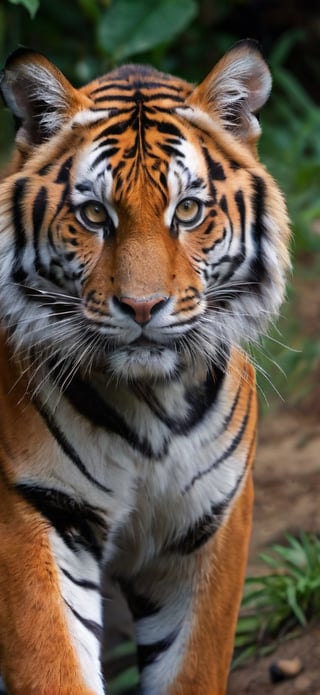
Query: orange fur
x: 35, y: 650
x: 220, y: 575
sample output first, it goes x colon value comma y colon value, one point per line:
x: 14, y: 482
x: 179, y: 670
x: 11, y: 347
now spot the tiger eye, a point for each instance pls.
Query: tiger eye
x: 188, y: 211
x: 94, y: 213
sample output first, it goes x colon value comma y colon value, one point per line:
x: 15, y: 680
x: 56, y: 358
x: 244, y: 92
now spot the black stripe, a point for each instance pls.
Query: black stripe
x: 44, y: 170
x: 20, y: 237
x: 90, y: 625
x: 38, y: 212
x: 214, y: 168
x: 105, y: 154
x: 84, y: 186
x: 200, y: 400
x: 125, y: 86
x: 87, y: 402
x: 83, y: 583
x: 170, y: 150
x: 78, y: 524
x: 142, y: 96
x: 149, y: 653
x: 63, y: 174
x: 229, y: 417
x: 139, y: 605
x: 258, y: 206
x: 224, y: 207
x: 116, y: 128
x: 207, y: 526
x: 239, y: 198
x: 236, y: 260
x: 123, y: 98
x: 107, y: 142
x: 19, y: 190
x: 210, y: 226
x: 168, y: 128
x: 66, y: 447
x: 257, y: 267
x: 231, y: 448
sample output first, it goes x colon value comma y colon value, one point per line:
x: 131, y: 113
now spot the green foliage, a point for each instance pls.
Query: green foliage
x: 287, y: 597
x: 291, y: 146
x: 30, y: 5
x: 127, y: 28
x: 125, y: 678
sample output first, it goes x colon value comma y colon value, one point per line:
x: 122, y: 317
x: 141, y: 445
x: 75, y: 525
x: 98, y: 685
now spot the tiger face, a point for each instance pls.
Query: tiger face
x: 139, y: 233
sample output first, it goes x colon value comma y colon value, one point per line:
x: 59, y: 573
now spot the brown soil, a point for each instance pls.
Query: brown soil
x: 287, y: 498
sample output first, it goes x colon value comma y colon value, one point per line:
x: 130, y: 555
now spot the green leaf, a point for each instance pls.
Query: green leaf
x: 122, y: 649
x: 90, y: 9
x: 292, y: 601
x: 284, y: 45
x: 247, y: 623
x: 128, y: 28
x: 308, y: 549
x: 130, y: 677
x: 270, y: 561
x: 31, y: 5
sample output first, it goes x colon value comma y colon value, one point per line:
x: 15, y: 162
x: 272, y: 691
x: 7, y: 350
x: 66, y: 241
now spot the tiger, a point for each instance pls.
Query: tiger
x: 143, y: 249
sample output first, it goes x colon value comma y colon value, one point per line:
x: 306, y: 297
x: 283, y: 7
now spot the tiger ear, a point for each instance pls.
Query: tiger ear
x: 39, y: 96
x: 235, y: 90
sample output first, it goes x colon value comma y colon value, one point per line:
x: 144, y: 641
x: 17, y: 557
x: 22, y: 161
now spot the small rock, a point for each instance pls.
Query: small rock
x: 285, y: 668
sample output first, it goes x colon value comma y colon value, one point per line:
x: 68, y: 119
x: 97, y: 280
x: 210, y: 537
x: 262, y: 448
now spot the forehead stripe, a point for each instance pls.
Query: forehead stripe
x: 125, y: 86
x: 138, y: 95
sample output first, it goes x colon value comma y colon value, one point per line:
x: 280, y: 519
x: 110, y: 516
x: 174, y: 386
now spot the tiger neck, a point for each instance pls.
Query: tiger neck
x: 187, y: 395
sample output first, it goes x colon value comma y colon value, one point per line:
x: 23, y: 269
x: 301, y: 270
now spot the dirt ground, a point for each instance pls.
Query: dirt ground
x: 287, y: 498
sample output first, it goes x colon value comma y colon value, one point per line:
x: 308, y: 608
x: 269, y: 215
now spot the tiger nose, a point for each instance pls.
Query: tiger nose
x: 142, y: 309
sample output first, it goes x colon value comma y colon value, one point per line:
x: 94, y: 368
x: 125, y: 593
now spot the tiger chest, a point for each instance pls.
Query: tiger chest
x: 148, y: 472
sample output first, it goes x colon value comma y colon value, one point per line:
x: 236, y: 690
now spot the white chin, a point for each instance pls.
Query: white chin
x: 144, y: 363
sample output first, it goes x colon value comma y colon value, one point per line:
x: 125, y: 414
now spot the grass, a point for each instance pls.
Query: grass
x: 281, y: 601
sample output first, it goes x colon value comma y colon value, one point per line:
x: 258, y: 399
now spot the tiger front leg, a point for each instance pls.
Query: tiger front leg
x: 185, y: 609
x: 49, y: 607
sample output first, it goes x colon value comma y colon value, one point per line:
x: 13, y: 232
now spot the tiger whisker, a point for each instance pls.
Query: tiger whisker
x: 43, y: 292
x: 33, y: 319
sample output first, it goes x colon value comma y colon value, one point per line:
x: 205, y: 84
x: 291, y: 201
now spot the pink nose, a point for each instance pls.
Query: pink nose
x: 142, y: 309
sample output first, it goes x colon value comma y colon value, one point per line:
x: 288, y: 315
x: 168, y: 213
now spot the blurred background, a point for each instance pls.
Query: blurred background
x: 86, y: 38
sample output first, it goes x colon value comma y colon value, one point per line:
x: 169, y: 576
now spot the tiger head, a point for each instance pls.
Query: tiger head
x: 139, y: 234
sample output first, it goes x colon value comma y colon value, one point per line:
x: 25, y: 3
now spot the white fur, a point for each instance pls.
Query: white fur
x: 87, y: 603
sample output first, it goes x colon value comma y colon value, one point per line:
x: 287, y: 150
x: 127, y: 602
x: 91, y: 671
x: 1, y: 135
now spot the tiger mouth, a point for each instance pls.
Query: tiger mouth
x: 145, y: 346
x: 143, y: 342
